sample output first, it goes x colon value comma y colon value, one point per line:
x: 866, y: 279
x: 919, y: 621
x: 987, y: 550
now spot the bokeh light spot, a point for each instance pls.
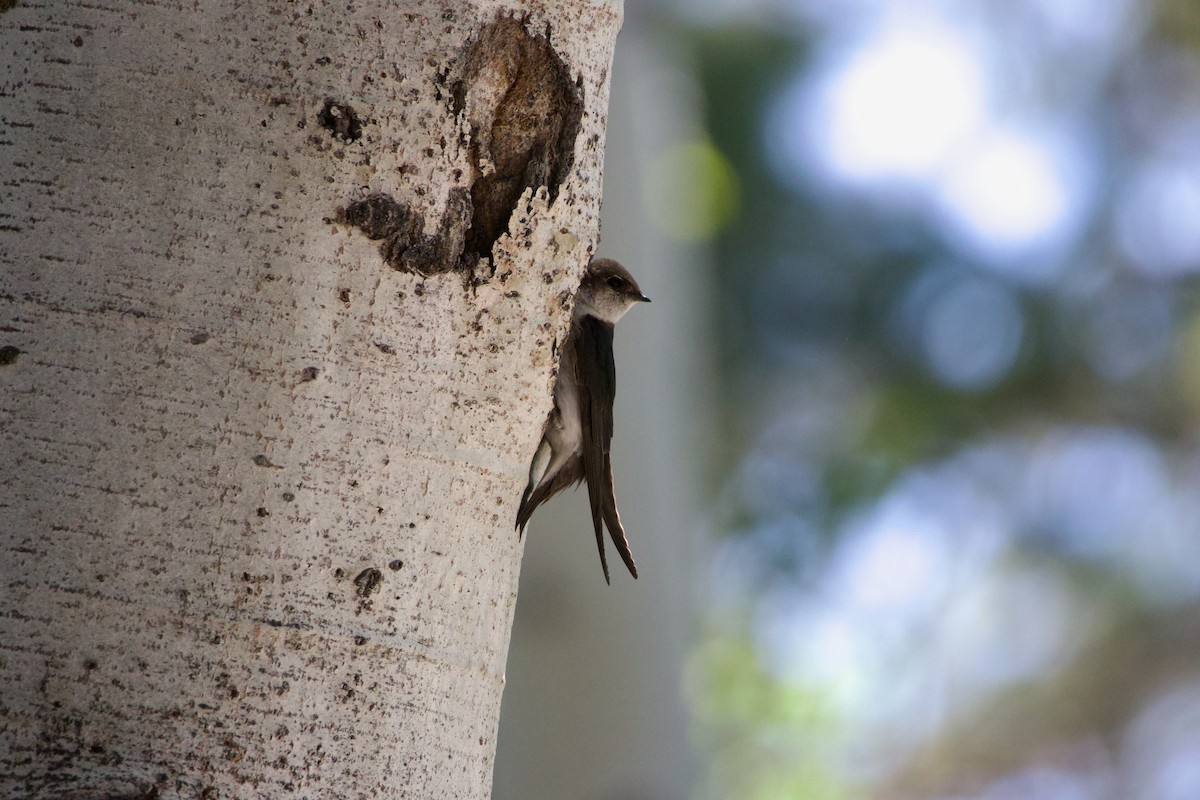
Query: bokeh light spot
x: 1156, y: 219
x: 1010, y: 193
x: 1160, y: 747
x: 1013, y: 626
x: 1127, y: 329
x: 1089, y: 488
x: 691, y: 192
x: 898, y: 105
x: 897, y: 563
x: 971, y: 334
x: 1041, y: 783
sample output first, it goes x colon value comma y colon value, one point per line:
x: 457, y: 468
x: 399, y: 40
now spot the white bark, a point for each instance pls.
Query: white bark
x: 257, y: 487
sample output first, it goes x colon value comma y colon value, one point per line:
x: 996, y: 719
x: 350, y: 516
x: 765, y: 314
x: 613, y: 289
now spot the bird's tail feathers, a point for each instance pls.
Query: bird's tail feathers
x: 612, y: 518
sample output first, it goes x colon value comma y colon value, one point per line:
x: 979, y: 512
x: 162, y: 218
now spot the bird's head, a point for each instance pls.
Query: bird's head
x: 607, y: 291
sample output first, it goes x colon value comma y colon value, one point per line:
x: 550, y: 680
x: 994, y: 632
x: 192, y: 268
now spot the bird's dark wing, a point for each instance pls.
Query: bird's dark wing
x: 597, y: 379
x: 571, y: 473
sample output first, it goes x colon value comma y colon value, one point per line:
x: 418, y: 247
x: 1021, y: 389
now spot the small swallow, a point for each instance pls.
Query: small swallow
x: 579, y: 430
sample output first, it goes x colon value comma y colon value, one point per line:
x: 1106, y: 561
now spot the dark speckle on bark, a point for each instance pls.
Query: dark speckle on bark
x: 367, y: 582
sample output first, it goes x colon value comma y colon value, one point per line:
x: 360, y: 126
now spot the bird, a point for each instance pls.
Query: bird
x: 575, y: 445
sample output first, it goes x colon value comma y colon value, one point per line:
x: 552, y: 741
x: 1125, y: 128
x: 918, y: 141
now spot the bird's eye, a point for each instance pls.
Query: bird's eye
x: 616, y: 283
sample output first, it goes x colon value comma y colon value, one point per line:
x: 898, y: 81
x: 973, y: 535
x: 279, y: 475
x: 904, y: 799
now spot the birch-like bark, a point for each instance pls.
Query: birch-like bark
x: 258, y: 477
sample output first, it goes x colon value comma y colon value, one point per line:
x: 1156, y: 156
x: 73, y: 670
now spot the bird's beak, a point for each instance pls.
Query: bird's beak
x: 642, y: 298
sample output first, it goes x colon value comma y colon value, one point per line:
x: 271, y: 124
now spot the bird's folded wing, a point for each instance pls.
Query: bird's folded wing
x: 597, y: 379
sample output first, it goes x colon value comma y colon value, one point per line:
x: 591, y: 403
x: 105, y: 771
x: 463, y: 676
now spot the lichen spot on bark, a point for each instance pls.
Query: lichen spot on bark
x: 524, y: 112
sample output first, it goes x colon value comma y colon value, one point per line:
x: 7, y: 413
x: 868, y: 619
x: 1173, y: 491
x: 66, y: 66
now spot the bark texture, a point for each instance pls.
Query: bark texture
x: 280, y: 289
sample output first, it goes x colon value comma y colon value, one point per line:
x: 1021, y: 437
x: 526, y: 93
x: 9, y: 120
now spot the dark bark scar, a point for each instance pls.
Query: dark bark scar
x: 523, y: 112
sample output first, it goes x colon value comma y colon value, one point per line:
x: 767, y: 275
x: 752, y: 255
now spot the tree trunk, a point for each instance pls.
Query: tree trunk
x: 279, y: 297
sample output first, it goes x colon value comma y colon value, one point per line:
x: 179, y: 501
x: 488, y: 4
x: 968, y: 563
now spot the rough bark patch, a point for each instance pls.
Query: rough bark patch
x: 106, y: 789
x: 339, y: 119
x: 405, y: 246
x: 524, y: 113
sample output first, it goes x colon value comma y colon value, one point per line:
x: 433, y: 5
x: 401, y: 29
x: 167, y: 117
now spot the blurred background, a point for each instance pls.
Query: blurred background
x: 907, y: 442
